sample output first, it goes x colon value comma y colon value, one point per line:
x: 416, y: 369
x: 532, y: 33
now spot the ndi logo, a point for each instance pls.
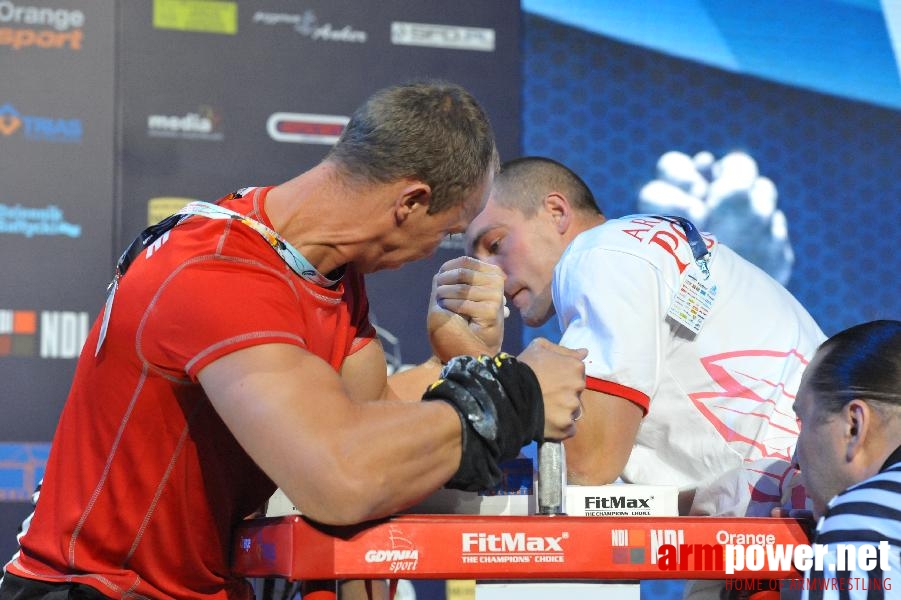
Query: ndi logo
x: 46, y: 334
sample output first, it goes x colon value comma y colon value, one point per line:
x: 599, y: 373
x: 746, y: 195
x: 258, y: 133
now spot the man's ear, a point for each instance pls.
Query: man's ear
x: 412, y: 196
x: 559, y: 210
x: 858, y: 424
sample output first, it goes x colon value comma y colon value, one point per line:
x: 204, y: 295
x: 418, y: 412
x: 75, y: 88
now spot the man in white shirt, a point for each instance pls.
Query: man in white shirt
x: 694, y: 354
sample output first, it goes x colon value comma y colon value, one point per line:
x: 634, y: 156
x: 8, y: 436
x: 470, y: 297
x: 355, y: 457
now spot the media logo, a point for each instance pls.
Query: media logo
x: 38, y: 128
x: 24, y: 26
x: 22, y: 466
x: 306, y: 128
x: 30, y: 222
x: 45, y: 334
x: 442, y: 36
x: 203, y: 16
x: 204, y: 125
x: 308, y: 25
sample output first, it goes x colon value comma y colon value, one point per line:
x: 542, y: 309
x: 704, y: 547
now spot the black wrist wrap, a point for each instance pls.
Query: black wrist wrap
x: 501, y: 409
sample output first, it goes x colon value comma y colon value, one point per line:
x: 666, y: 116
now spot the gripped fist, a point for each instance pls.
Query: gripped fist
x: 466, y: 309
x: 561, y: 373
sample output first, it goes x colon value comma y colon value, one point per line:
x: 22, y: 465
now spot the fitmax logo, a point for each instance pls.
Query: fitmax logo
x: 510, y: 542
x: 598, y: 502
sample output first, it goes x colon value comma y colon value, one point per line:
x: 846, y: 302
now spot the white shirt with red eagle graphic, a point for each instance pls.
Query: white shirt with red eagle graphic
x: 717, y: 404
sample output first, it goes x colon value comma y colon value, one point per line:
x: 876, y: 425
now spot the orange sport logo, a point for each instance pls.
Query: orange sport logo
x: 23, y: 26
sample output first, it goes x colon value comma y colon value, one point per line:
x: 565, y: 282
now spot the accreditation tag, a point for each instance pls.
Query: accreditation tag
x: 691, y: 304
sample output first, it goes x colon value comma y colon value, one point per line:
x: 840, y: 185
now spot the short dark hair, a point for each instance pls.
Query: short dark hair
x: 433, y: 131
x: 523, y: 183
x: 863, y: 362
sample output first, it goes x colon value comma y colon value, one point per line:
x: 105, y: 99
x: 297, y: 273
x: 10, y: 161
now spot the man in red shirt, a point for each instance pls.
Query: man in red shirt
x: 236, y: 356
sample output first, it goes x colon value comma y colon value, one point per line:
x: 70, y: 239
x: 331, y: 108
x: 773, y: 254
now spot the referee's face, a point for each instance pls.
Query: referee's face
x: 821, y: 446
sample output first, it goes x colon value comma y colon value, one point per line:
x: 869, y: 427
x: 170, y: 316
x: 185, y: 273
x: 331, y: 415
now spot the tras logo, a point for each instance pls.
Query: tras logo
x: 38, y: 128
x: 44, y: 334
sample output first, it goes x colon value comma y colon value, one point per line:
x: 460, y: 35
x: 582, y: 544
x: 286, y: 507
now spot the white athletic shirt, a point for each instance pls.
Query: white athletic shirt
x: 718, y: 404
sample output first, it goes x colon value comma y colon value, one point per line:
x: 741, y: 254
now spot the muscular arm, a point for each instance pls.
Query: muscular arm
x: 364, y: 373
x: 603, y: 442
x: 365, y: 377
x: 340, y: 461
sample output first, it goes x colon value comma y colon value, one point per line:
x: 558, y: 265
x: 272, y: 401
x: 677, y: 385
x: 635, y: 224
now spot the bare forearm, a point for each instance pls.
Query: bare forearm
x: 410, y: 384
x: 339, y: 460
x: 607, y: 429
x: 386, y: 457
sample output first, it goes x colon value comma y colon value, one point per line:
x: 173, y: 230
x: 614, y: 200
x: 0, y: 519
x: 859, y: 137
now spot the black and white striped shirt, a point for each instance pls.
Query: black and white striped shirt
x: 866, y: 514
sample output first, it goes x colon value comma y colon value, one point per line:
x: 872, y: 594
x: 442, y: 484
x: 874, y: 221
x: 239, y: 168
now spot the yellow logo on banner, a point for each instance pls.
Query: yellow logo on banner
x: 207, y: 16
x: 160, y: 208
x: 460, y: 589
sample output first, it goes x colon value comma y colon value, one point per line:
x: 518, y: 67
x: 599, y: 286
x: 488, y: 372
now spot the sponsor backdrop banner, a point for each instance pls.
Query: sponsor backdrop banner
x: 57, y: 116
x: 226, y: 95
x: 115, y: 114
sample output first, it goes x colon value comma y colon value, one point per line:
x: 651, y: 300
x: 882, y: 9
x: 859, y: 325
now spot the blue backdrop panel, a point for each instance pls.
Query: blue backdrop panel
x: 610, y: 110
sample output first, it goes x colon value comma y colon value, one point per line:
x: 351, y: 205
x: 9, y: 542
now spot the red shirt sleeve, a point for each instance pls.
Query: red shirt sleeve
x: 615, y: 389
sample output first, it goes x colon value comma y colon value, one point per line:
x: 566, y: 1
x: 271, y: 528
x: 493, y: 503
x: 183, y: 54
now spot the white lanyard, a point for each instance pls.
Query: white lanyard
x: 292, y: 257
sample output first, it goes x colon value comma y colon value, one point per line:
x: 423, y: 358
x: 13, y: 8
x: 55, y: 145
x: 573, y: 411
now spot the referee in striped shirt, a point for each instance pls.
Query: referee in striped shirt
x: 849, y: 451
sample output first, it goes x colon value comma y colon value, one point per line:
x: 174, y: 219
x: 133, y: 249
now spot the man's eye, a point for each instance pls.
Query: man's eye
x: 494, y: 246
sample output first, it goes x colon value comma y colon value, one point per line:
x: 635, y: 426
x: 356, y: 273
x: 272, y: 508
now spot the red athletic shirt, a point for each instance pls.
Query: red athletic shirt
x: 144, y: 483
